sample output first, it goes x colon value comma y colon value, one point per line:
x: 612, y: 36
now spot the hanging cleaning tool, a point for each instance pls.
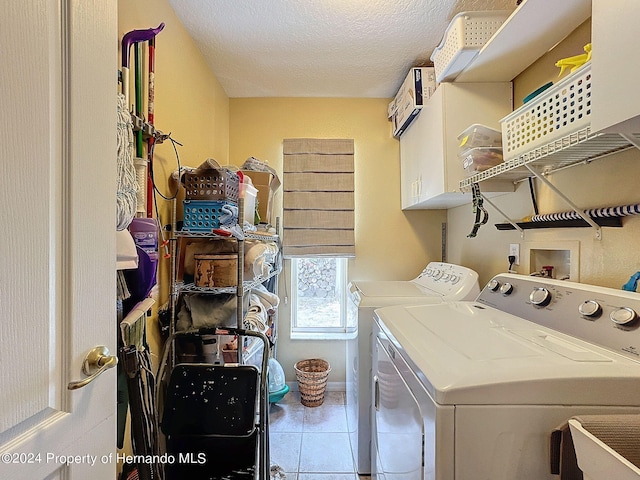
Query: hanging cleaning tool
x: 482, y: 216
x: 150, y: 120
x: 131, y: 38
x: 137, y: 371
x: 126, y: 198
x: 136, y: 38
x: 152, y: 140
x: 574, y: 62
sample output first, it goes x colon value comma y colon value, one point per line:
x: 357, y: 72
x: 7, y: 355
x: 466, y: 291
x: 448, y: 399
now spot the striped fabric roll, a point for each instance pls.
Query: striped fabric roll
x: 619, y: 211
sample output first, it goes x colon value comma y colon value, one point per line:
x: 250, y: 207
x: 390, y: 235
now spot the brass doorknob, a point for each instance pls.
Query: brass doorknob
x: 97, y: 361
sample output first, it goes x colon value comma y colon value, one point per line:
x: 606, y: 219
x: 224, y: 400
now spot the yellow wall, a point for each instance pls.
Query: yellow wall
x: 606, y: 182
x: 390, y: 244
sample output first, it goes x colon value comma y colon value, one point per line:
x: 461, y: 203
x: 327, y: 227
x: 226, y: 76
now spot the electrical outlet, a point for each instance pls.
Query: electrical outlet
x: 514, y: 249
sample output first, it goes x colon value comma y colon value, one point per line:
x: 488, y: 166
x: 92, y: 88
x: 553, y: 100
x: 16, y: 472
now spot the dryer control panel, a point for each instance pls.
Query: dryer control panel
x: 454, y: 282
x: 603, y: 316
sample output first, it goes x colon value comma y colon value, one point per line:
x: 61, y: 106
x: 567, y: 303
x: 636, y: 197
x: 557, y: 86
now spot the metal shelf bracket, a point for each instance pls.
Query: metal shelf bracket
x: 515, y: 225
x: 631, y: 139
x: 574, y: 207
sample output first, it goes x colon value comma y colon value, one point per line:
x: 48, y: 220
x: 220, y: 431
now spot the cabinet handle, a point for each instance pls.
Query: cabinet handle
x: 376, y: 393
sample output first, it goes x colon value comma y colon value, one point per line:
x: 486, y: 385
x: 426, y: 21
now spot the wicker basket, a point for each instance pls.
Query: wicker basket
x: 312, y: 375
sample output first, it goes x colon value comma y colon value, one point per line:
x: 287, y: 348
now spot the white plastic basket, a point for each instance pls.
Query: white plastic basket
x: 465, y: 36
x: 560, y: 110
x: 478, y: 135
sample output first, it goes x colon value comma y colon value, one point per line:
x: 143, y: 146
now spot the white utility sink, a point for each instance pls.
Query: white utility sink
x: 597, y: 460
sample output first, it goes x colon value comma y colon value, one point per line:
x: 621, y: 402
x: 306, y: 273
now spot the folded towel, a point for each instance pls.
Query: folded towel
x: 206, y: 311
x: 228, y: 214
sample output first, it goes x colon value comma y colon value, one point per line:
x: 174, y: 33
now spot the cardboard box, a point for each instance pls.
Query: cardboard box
x: 266, y: 184
x: 414, y: 92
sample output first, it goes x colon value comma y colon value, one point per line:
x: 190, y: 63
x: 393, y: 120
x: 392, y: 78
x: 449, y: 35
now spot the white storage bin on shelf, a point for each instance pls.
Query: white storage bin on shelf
x: 479, y: 159
x: 250, y: 193
x: 560, y: 110
x: 465, y: 36
x: 479, y: 136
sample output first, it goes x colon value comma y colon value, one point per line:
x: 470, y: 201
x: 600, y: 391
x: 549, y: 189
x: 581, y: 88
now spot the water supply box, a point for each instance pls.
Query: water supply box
x: 416, y: 89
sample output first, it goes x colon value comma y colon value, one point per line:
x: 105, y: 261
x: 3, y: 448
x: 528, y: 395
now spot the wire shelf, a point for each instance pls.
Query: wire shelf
x: 573, y: 149
x: 248, y: 235
x: 182, y: 287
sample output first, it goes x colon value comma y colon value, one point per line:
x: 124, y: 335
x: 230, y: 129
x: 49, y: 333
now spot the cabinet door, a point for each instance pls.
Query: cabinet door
x: 614, y: 66
x: 408, y: 170
x: 431, y: 168
x: 421, y: 155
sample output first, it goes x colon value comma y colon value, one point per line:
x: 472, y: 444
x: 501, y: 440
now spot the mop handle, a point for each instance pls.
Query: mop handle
x: 150, y: 119
x: 129, y: 38
x: 137, y: 36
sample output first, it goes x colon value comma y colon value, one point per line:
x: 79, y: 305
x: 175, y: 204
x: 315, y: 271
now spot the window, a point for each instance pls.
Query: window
x: 319, y: 301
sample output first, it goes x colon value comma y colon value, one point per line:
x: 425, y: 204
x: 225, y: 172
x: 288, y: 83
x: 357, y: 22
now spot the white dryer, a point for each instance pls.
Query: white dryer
x: 438, y: 282
x: 473, y: 390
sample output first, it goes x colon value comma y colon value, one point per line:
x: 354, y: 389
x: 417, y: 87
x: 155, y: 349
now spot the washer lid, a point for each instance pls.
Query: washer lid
x: 468, y: 353
x: 394, y: 289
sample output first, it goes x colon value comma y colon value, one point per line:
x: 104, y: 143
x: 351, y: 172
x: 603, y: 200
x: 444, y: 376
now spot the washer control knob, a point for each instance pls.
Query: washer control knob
x: 506, y: 288
x: 623, y: 316
x: 493, y: 285
x: 540, y: 297
x: 590, y: 309
x: 437, y: 274
x: 454, y: 279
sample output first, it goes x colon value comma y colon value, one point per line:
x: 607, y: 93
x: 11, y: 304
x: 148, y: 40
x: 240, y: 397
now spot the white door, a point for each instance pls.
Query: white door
x: 57, y: 253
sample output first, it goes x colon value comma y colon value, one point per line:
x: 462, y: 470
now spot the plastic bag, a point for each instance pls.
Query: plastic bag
x: 275, y: 374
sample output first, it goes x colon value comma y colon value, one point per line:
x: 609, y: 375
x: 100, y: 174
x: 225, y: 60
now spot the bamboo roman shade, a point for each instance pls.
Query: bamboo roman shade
x: 318, y: 198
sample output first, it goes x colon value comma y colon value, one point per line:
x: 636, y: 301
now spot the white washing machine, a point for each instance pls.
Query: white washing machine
x: 473, y: 390
x: 438, y: 282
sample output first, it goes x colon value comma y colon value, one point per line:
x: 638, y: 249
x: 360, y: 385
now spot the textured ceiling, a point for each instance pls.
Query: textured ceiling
x: 319, y: 48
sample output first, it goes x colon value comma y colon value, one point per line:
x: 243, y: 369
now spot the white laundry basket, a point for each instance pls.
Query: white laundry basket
x: 465, y: 36
x: 560, y: 110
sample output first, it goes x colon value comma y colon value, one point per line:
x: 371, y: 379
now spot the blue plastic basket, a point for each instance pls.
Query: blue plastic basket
x: 205, y: 215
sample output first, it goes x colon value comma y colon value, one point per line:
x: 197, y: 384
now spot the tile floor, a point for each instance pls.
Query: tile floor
x: 311, y: 443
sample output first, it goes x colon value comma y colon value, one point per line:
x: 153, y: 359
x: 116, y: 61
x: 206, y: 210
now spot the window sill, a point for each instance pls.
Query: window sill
x: 323, y: 335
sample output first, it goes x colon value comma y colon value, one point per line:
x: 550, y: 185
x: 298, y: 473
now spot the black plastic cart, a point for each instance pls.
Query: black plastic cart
x: 215, y: 417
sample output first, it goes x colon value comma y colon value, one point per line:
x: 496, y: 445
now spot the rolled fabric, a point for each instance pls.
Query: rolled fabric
x: 617, y: 211
x: 268, y: 299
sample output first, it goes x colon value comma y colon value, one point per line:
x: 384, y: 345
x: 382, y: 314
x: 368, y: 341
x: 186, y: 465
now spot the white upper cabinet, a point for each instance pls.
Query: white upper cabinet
x: 615, y: 66
x: 430, y: 168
